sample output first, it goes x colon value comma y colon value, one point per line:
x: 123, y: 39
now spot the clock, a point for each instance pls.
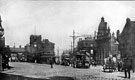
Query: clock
x: 35, y: 45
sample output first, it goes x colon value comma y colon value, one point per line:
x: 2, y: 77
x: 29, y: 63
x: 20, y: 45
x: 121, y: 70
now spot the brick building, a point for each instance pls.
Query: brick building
x: 36, y: 43
x: 48, y: 46
x: 39, y: 48
x: 88, y: 44
x: 126, y: 39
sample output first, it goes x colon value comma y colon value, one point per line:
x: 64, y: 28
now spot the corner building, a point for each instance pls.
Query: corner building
x: 89, y: 45
x: 103, y: 41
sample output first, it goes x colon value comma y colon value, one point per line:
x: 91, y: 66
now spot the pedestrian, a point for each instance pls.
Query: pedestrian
x: 7, y: 61
x: 51, y: 63
x: 119, y: 65
x: 127, y: 67
x: 3, y: 62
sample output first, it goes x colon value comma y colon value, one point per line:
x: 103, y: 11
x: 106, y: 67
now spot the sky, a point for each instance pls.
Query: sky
x: 56, y: 20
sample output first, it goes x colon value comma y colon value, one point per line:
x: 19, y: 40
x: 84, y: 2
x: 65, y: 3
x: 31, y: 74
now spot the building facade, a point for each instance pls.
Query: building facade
x: 114, y: 47
x: 107, y: 44
x: 48, y: 46
x: 103, y: 41
x: 89, y: 45
x: 36, y: 43
x: 86, y: 44
x: 126, y: 39
x: 17, y: 54
x: 39, y: 50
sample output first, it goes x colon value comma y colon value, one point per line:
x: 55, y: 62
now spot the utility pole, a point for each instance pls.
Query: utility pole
x: 73, y: 40
x: 74, y: 37
x: 58, y: 56
x: 71, y: 48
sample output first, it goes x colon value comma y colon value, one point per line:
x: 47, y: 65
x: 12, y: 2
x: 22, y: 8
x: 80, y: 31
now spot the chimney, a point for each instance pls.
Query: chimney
x: 128, y: 19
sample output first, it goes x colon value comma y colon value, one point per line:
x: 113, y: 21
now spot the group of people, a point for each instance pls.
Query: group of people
x: 126, y: 65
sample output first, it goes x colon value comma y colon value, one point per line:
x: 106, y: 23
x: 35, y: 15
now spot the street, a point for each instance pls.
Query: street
x: 45, y: 71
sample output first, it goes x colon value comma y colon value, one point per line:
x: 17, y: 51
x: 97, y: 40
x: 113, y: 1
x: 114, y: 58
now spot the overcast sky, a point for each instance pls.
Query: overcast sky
x: 55, y: 20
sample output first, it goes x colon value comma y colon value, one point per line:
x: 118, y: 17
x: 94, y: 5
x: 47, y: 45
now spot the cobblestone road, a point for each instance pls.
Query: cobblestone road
x: 45, y: 71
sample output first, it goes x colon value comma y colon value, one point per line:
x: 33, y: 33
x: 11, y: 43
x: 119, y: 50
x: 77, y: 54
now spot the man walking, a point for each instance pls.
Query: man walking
x: 51, y: 62
x: 119, y: 65
x: 127, y: 67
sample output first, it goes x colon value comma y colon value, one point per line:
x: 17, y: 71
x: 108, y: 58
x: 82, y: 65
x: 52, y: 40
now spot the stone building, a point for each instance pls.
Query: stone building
x: 126, y: 39
x: 114, y: 47
x: 106, y: 42
x: 103, y: 41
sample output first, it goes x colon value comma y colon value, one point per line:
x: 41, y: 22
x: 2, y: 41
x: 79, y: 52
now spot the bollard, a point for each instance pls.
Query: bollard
x: 0, y: 62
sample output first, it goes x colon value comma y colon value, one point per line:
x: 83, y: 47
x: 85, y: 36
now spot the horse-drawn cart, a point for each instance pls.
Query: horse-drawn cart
x: 109, y: 65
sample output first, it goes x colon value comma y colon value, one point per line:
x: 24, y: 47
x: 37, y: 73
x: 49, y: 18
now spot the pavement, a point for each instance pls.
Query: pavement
x: 58, y: 72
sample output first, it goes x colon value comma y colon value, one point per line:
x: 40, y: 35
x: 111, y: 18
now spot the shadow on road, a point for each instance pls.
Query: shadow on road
x: 4, y: 76
x: 61, y: 78
x: 107, y: 71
